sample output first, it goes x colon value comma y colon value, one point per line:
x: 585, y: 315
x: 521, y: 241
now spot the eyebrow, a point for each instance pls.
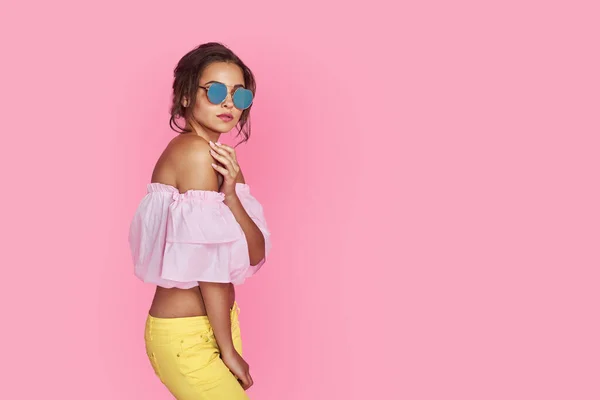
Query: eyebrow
x: 235, y: 86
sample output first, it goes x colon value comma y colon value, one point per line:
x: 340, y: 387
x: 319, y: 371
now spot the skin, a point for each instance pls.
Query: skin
x: 194, y: 161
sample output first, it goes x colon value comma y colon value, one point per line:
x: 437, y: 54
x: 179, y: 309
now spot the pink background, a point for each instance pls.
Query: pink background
x: 430, y: 174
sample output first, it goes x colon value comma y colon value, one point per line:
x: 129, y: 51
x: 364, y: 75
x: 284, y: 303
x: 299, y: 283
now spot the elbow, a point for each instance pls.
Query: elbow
x: 258, y: 255
x: 254, y: 261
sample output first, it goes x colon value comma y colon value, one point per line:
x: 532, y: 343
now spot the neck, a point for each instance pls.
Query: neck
x: 196, y: 129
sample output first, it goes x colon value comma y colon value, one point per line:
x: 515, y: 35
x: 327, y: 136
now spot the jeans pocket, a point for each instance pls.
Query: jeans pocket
x: 154, y: 362
x: 196, y: 352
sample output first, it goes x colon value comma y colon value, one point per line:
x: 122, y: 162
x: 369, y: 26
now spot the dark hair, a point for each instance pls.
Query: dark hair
x: 188, y: 72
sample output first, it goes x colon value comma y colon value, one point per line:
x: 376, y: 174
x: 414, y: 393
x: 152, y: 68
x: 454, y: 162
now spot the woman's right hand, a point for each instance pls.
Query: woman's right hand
x: 238, y: 367
x: 228, y: 167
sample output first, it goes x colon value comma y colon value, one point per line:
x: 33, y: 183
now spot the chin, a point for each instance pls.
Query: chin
x: 222, y: 128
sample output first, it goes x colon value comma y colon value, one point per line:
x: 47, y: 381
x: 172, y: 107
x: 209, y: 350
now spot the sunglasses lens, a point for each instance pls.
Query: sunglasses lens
x: 242, y: 98
x: 217, y: 92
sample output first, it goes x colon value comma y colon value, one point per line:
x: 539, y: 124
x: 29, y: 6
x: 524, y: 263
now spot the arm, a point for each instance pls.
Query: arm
x: 254, y: 236
x: 216, y: 298
x: 194, y: 172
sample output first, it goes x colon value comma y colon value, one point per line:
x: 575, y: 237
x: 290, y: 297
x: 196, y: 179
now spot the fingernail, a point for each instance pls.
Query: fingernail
x: 211, y: 143
x: 218, y: 144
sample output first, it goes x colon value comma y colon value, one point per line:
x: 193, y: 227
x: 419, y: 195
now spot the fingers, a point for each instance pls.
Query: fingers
x: 230, y: 150
x: 224, y: 157
x: 224, y: 150
x: 221, y: 170
x: 228, y: 169
x: 245, y: 381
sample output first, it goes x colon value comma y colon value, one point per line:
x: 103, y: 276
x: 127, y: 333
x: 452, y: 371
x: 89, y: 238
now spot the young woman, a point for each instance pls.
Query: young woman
x: 198, y: 232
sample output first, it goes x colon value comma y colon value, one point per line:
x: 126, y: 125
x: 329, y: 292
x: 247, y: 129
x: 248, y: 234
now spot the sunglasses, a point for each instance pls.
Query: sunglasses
x: 217, y: 93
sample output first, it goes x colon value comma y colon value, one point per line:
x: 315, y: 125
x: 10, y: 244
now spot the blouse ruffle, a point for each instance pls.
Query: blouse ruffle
x: 177, y: 239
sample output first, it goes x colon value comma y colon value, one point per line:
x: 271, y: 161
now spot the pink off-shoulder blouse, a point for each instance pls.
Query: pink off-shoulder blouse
x: 177, y: 239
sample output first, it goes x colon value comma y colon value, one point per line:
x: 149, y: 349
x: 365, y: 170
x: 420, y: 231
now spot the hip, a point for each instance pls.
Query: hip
x: 185, y: 355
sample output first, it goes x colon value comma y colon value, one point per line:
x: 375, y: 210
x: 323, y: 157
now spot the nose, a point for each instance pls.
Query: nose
x: 228, y: 102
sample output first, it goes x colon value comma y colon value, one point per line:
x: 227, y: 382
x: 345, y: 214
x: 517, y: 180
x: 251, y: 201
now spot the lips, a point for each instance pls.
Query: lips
x: 225, y: 117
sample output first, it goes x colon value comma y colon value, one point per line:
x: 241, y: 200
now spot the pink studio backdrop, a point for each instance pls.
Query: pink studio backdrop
x: 429, y: 171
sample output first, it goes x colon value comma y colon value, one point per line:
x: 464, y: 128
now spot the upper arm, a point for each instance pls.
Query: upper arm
x: 194, y: 169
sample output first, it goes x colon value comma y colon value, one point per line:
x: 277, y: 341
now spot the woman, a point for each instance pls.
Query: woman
x: 198, y: 231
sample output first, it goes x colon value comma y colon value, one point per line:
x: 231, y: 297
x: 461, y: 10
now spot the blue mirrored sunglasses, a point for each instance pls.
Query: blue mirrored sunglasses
x: 217, y: 93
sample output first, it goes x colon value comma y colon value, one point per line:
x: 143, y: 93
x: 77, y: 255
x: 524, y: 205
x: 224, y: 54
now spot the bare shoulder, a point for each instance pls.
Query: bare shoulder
x: 184, y: 149
x: 190, y: 160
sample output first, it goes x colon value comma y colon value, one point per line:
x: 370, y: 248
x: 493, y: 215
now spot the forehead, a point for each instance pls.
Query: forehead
x: 227, y: 73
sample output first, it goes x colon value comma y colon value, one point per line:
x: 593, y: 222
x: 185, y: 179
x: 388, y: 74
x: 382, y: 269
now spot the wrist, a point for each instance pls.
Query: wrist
x: 227, y: 351
x: 231, y: 198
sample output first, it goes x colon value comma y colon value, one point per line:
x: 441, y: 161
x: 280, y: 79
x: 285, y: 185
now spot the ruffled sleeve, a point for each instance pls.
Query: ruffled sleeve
x: 180, y: 239
x: 255, y: 210
x: 204, y: 242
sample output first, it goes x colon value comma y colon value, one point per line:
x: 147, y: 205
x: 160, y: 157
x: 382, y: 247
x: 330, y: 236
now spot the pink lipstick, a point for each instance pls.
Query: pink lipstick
x: 225, y: 117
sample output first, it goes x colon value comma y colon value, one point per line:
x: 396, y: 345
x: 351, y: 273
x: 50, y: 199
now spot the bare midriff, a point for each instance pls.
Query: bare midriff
x: 179, y: 303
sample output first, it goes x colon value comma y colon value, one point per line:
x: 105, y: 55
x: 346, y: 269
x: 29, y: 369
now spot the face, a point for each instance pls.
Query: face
x: 225, y: 116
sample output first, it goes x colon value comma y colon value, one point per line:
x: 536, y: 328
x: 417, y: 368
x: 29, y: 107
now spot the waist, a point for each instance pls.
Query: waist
x: 182, y: 303
x: 182, y: 325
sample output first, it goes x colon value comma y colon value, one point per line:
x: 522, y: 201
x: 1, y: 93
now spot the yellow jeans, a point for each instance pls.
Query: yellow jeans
x: 185, y: 357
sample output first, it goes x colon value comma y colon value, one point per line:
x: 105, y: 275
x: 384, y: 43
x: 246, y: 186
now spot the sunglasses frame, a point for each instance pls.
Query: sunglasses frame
x: 229, y: 93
